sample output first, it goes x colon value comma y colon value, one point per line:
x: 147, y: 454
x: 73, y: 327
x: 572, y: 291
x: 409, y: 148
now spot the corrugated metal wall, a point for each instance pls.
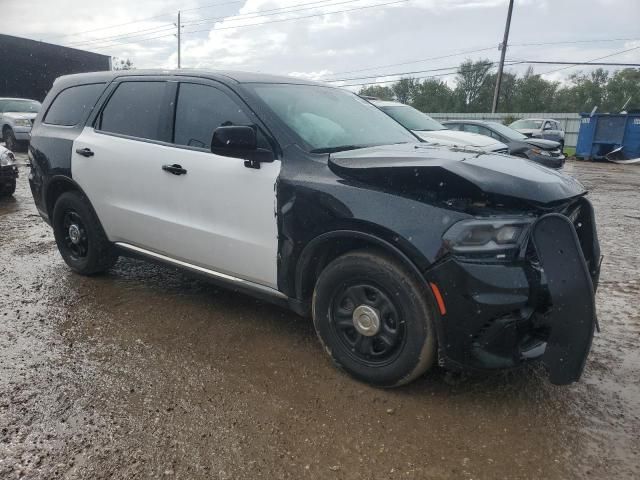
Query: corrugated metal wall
x: 569, y: 121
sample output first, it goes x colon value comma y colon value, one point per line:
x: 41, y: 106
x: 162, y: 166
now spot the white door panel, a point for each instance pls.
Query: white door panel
x: 228, y: 216
x: 126, y: 185
x: 219, y: 215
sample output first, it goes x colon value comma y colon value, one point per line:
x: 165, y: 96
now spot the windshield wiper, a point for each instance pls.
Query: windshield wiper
x: 340, y: 148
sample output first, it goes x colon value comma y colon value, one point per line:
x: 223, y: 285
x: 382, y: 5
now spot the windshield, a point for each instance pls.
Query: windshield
x: 505, y: 131
x: 329, y: 119
x: 22, y: 106
x: 412, y: 119
x: 532, y: 124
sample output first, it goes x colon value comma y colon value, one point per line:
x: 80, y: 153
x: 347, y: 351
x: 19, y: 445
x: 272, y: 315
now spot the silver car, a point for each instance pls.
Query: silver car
x: 544, y: 128
x: 16, y: 119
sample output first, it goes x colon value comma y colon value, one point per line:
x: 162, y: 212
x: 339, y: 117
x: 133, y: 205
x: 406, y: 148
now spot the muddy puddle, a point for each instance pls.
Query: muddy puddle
x: 149, y: 373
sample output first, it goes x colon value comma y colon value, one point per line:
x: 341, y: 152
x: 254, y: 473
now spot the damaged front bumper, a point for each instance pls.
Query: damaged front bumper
x: 541, y: 306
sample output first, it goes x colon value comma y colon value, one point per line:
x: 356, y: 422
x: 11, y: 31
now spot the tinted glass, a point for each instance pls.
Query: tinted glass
x: 21, y: 106
x: 71, y: 104
x: 330, y: 119
x: 412, y: 119
x: 529, y: 124
x: 506, y: 132
x: 476, y: 129
x: 137, y: 109
x: 200, y: 110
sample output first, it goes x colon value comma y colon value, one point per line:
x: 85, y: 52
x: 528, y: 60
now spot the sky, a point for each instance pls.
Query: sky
x: 363, y: 41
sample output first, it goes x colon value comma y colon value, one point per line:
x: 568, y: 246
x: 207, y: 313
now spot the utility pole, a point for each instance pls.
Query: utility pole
x: 179, y: 28
x: 505, y: 40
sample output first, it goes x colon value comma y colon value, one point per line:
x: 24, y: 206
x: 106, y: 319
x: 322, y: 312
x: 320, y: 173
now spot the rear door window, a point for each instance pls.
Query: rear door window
x: 138, y: 109
x: 72, y: 104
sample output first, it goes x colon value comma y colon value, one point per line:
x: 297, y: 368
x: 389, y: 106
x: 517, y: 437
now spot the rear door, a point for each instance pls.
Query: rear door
x: 118, y: 163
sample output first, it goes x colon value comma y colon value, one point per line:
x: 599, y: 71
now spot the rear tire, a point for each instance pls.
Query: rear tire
x: 80, y: 237
x: 375, y: 319
x: 8, y: 189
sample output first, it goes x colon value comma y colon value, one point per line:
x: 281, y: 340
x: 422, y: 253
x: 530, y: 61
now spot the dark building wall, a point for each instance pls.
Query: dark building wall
x: 28, y: 68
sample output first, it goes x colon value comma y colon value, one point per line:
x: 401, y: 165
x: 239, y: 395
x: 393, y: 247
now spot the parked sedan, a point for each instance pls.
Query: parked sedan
x: 544, y: 128
x: 8, y: 172
x: 545, y: 152
x: 16, y: 118
x: 433, y: 131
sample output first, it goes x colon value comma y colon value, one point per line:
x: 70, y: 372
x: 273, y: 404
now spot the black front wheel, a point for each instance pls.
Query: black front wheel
x: 375, y: 319
x: 79, y: 235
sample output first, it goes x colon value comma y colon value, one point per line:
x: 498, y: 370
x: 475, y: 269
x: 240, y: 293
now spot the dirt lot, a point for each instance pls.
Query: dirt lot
x: 148, y: 373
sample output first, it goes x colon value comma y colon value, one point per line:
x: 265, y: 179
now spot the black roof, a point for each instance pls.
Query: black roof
x: 463, y: 120
x: 220, y: 75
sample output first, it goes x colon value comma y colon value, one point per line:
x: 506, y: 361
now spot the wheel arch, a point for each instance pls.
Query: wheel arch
x: 58, y: 185
x: 324, y: 248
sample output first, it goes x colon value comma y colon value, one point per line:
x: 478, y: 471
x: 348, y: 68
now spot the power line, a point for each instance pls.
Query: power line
x: 409, y: 62
x: 306, y: 16
x: 592, y: 60
x: 144, y: 19
x: 569, y: 42
x: 280, y: 10
x: 402, y: 73
x: 259, y: 24
x: 171, y: 26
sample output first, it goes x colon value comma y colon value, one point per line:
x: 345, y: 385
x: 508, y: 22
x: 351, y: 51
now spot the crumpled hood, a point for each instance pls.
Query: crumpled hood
x: 454, y: 173
x: 461, y: 139
x: 19, y: 115
x: 543, y: 144
x: 527, y: 131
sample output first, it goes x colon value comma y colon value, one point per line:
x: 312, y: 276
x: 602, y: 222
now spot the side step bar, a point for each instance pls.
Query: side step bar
x: 222, y: 277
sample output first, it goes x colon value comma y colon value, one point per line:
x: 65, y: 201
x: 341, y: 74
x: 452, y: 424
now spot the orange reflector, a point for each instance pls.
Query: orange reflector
x: 439, y: 299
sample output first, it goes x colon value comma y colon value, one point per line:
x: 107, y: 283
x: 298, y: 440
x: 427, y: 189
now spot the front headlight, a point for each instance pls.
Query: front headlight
x: 538, y: 151
x: 23, y: 122
x: 7, y: 158
x: 487, y: 237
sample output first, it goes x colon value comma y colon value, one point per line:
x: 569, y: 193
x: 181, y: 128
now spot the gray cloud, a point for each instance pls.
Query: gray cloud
x: 323, y: 47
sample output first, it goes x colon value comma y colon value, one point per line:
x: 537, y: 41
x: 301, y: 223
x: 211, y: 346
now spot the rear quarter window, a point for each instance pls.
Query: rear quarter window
x: 71, y: 105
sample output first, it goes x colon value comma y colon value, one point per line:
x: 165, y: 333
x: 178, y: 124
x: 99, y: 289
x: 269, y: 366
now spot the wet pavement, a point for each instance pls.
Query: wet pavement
x: 148, y: 373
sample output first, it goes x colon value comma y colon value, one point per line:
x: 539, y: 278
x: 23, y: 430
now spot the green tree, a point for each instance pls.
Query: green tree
x: 433, y: 95
x: 471, y: 78
x: 121, y: 64
x: 624, y: 84
x: 534, y: 94
x: 378, y: 91
x: 405, y: 89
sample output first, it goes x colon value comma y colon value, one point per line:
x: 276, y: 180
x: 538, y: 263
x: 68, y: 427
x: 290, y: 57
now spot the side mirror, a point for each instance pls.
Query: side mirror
x: 240, y: 141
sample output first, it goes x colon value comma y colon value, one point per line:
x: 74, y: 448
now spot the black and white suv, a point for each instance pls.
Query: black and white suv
x: 404, y: 253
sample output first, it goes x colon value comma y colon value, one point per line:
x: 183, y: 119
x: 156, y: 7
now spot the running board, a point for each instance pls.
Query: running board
x: 223, y: 277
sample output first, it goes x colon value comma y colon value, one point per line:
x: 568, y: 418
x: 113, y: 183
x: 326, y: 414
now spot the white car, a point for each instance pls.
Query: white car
x: 432, y: 131
x: 16, y: 119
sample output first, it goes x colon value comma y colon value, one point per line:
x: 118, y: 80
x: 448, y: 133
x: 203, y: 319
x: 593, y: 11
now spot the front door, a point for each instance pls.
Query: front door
x: 227, y: 211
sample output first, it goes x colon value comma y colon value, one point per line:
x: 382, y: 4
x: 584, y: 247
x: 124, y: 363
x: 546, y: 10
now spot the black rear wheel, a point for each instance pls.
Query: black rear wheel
x: 8, y: 188
x: 79, y: 235
x: 375, y: 318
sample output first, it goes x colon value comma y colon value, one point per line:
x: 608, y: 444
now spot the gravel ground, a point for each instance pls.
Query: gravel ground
x: 148, y: 373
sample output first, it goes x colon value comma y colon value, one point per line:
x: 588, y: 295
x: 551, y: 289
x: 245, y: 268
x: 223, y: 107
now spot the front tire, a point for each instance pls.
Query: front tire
x: 80, y: 237
x: 375, y: 319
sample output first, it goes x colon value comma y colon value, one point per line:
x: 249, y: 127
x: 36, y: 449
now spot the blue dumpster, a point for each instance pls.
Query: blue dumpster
x: 602, y: 133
